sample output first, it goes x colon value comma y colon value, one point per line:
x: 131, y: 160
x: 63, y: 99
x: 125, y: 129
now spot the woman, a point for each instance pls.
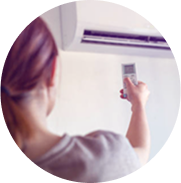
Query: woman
x: 28, y: 90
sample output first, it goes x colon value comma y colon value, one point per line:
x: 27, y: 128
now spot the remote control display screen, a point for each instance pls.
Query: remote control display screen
x: 128, y: 69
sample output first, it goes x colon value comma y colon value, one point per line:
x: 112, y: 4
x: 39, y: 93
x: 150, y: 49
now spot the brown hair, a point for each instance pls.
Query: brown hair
x: 29, y: 62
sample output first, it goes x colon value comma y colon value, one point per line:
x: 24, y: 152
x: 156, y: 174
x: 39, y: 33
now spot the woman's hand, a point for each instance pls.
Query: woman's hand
x: 136, y: 94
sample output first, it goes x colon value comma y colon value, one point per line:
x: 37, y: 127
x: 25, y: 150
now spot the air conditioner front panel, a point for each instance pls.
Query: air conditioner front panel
x: 96, y: 16
x: 113, y: 17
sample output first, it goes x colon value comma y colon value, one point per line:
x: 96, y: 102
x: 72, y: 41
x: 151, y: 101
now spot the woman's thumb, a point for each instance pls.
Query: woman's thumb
x: 128, y: 82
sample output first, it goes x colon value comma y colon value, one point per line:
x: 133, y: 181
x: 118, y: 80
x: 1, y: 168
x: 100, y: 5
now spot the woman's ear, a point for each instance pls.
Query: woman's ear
x: 53, y: 73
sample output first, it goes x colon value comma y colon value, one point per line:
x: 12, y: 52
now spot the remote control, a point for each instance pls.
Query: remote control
x: 128, y: 71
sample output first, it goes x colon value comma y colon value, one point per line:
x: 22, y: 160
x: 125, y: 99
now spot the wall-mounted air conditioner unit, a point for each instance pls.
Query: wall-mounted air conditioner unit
x: 96, y: 26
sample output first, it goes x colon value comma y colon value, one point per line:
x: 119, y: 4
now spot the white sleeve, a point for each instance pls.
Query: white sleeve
x: 109, y: 155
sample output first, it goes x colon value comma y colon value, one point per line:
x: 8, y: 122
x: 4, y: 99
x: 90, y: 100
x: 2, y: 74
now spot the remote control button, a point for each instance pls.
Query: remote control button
x: 132, y: 77
x: 124, y: 95
x: 124, y: 85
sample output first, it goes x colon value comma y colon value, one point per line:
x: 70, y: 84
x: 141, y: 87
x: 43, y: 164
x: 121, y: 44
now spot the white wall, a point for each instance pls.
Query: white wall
x: 89, y: 95
x: 88, y: 98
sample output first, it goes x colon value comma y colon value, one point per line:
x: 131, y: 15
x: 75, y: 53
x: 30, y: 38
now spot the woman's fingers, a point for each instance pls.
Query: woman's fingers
x: 123, y: 97
x: 121, y: 91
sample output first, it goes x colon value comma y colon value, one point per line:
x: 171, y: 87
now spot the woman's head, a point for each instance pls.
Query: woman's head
x: 30, y: 64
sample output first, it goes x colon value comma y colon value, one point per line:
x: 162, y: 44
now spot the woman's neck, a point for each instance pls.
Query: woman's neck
x: 40, y: 144
x: 35, y: 109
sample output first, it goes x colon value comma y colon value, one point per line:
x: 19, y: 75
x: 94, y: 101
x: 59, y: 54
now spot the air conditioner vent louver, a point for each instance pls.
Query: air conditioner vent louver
x: 124, y: 39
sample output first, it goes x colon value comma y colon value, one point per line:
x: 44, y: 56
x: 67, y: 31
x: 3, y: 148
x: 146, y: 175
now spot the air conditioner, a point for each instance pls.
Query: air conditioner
x: 103, y: 27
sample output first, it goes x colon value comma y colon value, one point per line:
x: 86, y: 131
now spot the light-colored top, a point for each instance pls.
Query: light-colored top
x: 97, y: 157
